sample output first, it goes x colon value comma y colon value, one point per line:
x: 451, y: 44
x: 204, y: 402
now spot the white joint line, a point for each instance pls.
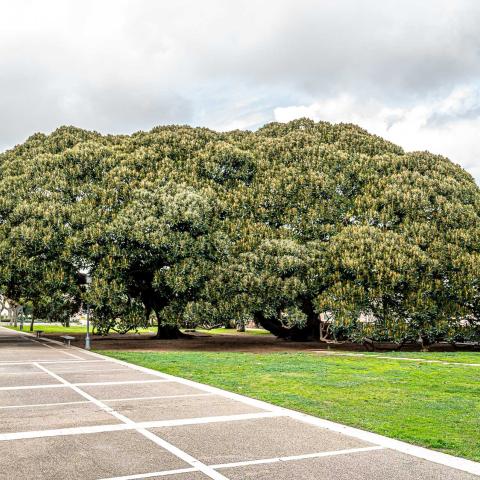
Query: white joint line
x: 297, y: 457
x: 33, y: 387
x: 86, y: 384
x: 165, y: 473
x: 56, y: 349
x: 147, y: 434
x: 91, y: 370
x: 62, y: 432
x: 70, y: 371
x: 19, y: 373
x: 128, y: 399
x: 120, y: 382
x: 132, y: 426
x: 380, y: 440
x: 156, y: 397
x: 39, y: 405
x: 210, y: 472
x: 7, y: 363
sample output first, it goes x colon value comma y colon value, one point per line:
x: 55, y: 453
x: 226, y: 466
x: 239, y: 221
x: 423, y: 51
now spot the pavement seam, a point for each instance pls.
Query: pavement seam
x: 7, y: 363
x: 291, y: 458
x: 162, y: 473
x: 127, y: 399
x: 133, y: 425
x: 56, y: 349
x: 253, y: 462
x: 86, y: 384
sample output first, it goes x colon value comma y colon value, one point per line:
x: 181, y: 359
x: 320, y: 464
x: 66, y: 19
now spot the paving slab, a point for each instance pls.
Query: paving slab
x: 6, y: 368
x: 217, y: 443
x: 379, y: 464
x: 108, y: 376
x: 21, y: 347
x: 104, y: 392
x: 67, y: 352
x: 38, y: 396
x: 34, y: 355
x: 27, y: 380
x: 181, y: 407
x: 86, y: 367
x: 84, y: 457
x: 53, y: 417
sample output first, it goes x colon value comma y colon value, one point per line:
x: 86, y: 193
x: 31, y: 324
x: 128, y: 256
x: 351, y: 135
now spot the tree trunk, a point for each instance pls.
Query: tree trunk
x: 272, y: 325
x: 32, y: 322
x: 3, y: 302
x: 21, y: 313
x: 424, y: 342
x: 310, y: 331
x: 15, y: 316
x: 167, y: 331
x: 240, y: 326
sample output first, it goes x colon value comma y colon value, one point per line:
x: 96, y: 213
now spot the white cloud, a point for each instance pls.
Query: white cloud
x: 123, y: 65
x: 447, y: 126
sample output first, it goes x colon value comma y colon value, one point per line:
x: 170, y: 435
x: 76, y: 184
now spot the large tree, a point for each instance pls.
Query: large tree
x: 287, y: 225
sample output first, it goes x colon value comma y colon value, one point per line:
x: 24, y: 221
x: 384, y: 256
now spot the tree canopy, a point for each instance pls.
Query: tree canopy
x: 310, y: 229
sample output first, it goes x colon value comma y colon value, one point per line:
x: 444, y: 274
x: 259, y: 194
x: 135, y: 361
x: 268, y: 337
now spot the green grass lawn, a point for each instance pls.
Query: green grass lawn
x: 432, y: 405
x: 232, y: 331
x: 61, y: 330
x: 457, y: 357
x: 52, y: 329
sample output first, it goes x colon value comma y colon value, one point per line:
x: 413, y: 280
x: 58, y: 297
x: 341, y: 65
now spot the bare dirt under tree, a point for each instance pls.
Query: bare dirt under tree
x: 230, y: 343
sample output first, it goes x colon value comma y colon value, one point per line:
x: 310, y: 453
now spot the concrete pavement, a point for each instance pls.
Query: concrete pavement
x: 66, y: 413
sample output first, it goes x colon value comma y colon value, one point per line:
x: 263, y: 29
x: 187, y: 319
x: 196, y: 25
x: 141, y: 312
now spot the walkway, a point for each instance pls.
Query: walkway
x: 67, y: 413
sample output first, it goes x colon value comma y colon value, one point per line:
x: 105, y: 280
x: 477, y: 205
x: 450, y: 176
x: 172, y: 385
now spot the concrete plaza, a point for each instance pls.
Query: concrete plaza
x: 67, y: 413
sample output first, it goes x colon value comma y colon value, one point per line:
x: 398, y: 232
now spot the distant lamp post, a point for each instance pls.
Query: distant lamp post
x: 88, y: 281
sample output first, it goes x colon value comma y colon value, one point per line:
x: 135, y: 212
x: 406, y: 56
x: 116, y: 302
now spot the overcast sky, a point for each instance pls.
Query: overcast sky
x: 406, y: 70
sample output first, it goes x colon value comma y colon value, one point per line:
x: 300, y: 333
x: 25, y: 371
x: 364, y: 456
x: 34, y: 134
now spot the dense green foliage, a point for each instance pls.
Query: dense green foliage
x: 429, y: 404
x: 197, y: 227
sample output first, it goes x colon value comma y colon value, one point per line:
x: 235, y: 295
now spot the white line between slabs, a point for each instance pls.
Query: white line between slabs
x: 297, y: 457
x: 184, y: 395
x: 165, y: 473
x: 29, y: 387
x: 121, y: 382
x: 56, y: 349
x: 147, y: 434
x: 29, y: 362
x: 20, y: 373
x: 128, y: 399
x: 69, y: 371
x: 37, y: 405
x: 87, y: 384
x: 97, y: 370
x: 132, y: 426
